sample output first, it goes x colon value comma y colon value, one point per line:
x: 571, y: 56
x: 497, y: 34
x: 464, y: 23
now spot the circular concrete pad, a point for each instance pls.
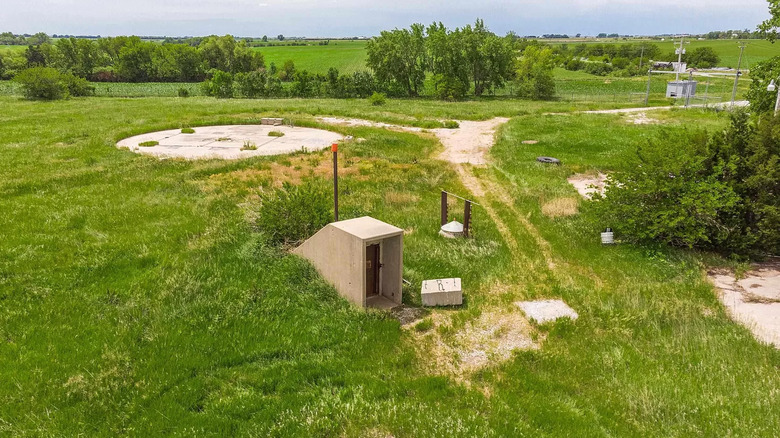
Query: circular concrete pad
x: 226, y: 141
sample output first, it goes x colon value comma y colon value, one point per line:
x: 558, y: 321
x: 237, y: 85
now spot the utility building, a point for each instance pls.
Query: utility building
x: 362, y: 258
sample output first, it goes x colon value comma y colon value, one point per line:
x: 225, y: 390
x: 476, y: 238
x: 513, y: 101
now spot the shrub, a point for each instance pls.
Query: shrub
x: 77, y: 86
x: 252, y: 84
x: 42, y: 83
x: 183, y: 92
x: 451, y: 124
x: 575, y: 64
x: 276, y: 134
x: 149, y: 143
x: 598, y: 68
x: 187, y: 130
x: 220, y: 85
x: 378, y: 99
x: 703, y: 57
x: 291, y: 214
x: 717, y: 193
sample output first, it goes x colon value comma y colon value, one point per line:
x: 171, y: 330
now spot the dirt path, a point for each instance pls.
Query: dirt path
x: 499, y: 329
x: 467, y: 144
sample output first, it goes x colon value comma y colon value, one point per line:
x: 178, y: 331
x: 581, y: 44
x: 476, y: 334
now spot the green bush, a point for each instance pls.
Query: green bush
x: 291, y: 214
x: 183, y: 92
x: 252, y: 84
x: 451, y: 124
x: 77, y: 86
x: 718, y: 193
x: 187, y: 130
x: 276, y: 134
x: 42, y: 83
x: 219, y: 85
x: 378, y: 99
x: 149, y: 143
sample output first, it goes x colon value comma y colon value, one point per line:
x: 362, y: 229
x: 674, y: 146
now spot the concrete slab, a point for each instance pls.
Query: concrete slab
x: 546, y: 310
x: 226, y: 142
x: 381, y: 303
x: 753, y: 301
x: 443, y: 292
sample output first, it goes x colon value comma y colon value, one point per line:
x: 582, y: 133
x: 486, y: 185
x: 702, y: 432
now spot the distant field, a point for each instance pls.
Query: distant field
x: 346, y: 56
x: 15, y: 48
x: 728, y: 50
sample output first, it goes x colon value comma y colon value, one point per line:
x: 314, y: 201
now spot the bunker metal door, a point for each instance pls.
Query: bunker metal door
x: 372, y: 270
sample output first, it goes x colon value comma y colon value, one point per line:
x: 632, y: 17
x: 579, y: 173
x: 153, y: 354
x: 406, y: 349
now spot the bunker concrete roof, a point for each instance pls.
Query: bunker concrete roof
x: 368, y: 228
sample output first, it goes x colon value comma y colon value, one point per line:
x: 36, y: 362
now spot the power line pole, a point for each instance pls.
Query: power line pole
x: 736, y: 77
x: 642, y: 56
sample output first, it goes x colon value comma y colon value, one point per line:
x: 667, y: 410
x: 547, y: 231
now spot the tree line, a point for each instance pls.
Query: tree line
x: 626, y: 59
x: 431, y: 61
x: 131, y: 59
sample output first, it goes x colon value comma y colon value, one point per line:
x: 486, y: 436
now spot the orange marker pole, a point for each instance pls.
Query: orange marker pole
x: 335, y: 149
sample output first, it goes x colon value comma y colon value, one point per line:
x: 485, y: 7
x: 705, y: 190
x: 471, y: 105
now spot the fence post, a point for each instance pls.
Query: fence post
x: 647, y: 94
x: 443, y: 208
x: 467, y: 219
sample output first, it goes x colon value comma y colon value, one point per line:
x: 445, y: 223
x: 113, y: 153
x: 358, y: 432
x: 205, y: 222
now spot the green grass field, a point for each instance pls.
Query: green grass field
x: 13, y: 48
x: 138, y: 299
x: 346, y: 56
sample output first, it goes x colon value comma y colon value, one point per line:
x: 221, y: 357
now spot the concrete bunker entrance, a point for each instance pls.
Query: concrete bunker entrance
x: 381, y: 286
x: 362, y: 258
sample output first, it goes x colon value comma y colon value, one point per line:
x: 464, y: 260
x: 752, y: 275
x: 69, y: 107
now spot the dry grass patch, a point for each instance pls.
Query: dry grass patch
x: 292, y: 169
x: 489, y: 339
x: 396, y: 198
x: 560, y: 207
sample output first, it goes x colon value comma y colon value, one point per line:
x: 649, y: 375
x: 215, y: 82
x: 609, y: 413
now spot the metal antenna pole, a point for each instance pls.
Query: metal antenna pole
x: 679, y: 59
x: 736, y: 77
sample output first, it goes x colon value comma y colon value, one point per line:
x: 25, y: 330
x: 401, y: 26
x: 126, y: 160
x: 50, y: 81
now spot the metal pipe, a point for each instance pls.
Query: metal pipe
x: 335, y: 149
x: 777, y: 103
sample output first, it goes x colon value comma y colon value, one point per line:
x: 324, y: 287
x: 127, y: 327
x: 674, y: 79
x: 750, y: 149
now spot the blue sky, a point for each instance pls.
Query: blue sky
x: 337, y: 18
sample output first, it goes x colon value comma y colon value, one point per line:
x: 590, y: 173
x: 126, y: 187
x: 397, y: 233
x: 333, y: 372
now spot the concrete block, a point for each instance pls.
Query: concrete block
x: 443, y: 292
x: 274, y: 121
x: 543, y: 311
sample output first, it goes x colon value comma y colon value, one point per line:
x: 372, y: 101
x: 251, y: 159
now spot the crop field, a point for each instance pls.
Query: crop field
x: 346, y: 56
x: 138, y: 298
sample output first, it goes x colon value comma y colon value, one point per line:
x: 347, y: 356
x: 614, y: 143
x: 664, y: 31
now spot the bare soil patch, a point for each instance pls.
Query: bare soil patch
x: 588, y: 184
x: 488, y: 340
x: 641, y: 119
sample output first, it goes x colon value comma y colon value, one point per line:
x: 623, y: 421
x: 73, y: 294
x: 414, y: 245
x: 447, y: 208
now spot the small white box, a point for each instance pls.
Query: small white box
x: 443, y: 292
